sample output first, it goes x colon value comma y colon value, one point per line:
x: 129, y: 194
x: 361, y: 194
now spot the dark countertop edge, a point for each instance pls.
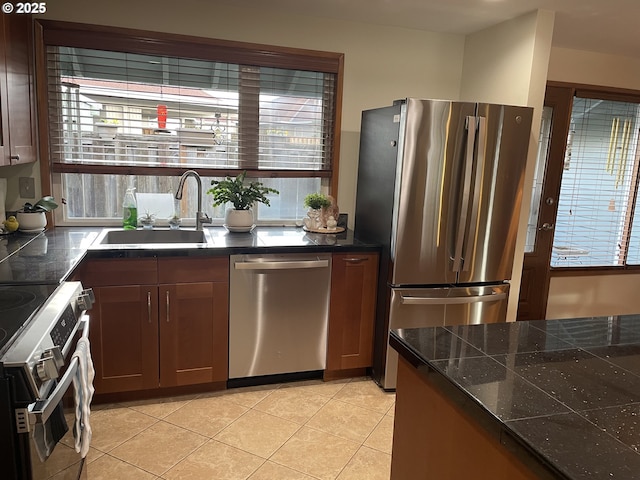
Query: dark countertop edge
x: 493, y: 425
x: 218, y: 251
x: 352, y: 245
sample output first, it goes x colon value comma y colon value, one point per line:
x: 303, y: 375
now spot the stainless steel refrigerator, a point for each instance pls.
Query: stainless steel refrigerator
x: 440, y: 185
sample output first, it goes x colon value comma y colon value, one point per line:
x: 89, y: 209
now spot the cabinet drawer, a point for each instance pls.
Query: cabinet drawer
x: 193, y: 269
x: 129, y: 271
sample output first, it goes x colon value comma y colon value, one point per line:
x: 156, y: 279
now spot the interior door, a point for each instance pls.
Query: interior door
x: 534, y: 286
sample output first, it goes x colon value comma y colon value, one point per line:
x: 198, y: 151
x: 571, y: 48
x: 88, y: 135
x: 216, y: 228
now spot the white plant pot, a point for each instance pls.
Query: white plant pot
x: 238, y: 220
x: 31, y: 221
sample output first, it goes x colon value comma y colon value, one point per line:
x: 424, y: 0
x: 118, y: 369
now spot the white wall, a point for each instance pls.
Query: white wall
x: 381, y: 63
x: 507, y: 63
x: 590, y: 68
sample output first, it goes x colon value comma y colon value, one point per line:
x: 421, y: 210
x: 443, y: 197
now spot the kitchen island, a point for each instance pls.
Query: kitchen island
x: 525, y: 400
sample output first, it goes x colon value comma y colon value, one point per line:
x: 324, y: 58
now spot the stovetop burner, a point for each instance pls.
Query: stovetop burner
x: 10, y: 299
x: 17, y: 304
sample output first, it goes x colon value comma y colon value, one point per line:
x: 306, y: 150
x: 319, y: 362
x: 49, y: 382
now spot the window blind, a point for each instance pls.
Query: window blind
x: 117, y: 109
x: 599, y: 183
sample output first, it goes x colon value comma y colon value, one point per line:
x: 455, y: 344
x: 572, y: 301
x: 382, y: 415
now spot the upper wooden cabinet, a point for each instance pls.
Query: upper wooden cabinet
x: 17, y: 90
x: 354, y: 279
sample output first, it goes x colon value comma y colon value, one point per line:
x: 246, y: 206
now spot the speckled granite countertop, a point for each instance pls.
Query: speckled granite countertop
x: 561, y: 393
x: 50, y: 256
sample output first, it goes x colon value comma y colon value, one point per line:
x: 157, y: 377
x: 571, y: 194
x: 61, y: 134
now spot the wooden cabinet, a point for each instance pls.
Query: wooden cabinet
x: 354, y: 279
x: 193, y: 319
x: 158, y: 322
x: 423, y: 406
x: 124, y: 338
x: 17, y: 91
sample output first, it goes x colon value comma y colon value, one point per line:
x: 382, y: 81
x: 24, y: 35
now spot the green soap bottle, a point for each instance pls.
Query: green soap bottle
x: 129, y: 210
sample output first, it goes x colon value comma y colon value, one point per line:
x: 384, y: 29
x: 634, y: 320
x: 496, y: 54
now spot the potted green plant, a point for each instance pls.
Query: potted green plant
x: 317, y: 203
x: 147, y: 220
x: 32, y: 216
x: 242, y: 196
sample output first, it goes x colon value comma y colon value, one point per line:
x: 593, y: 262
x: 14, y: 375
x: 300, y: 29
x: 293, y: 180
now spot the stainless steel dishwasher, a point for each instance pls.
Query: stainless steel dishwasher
x: 278, y: 313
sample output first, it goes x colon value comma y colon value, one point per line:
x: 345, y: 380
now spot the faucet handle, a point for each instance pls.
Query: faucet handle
x: 204, y: 218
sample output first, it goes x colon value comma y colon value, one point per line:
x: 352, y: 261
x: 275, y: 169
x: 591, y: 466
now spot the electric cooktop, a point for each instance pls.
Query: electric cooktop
x: 18, y: 303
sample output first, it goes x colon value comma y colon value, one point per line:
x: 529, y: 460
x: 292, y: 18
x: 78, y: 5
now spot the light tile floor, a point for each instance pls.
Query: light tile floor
x: 339, y: 430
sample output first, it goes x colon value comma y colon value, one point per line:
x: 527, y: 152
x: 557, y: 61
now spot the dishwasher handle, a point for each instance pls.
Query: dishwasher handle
x: 281, y: 265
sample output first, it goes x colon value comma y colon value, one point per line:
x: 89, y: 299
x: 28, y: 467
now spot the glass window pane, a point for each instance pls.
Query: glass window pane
x: 90, y: 196
x: 134, y: 110
x: 538, y: 179
x: 597, y: 183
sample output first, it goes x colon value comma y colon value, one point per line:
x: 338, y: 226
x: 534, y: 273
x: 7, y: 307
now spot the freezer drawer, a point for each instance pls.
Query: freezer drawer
x: 435, y: 307
x: 278, y: 313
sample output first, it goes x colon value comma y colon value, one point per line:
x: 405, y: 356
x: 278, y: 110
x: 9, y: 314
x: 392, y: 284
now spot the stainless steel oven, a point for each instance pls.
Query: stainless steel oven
x: 45, y: 381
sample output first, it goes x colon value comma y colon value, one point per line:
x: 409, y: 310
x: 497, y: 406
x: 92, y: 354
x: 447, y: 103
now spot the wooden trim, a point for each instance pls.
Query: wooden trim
x: 605, y: 93
x: 588, y: 89
x: 160, y: 392
x: 337, y: 129
x: 53, y: 32
x: 631, y: 203
x: 594, y: 271
x: 46, y: 184
x: 177, y: 171
x: 168, y: 44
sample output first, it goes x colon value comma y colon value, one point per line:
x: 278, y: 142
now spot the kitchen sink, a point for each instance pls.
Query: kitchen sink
x: 155, y: 237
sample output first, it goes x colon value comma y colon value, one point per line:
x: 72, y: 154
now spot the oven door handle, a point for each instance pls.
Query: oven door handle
x: 40, y: 411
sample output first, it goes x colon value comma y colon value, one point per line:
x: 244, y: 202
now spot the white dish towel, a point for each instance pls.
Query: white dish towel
x: 83, y: 391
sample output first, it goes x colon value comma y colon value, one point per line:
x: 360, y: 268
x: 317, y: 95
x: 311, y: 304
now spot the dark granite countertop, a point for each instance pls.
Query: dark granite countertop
x: 561, y: 394
x: 50, y: 256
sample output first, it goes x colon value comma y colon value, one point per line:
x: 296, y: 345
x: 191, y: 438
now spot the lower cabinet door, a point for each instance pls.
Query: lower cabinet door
x: 193, y: 333
x: 124, y: 338
x: 352, y: 311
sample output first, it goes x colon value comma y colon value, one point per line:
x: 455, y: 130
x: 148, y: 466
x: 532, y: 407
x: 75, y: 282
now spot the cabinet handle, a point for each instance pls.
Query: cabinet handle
x: 167, y: 306
x: 355, y: 259
x: 15, y: 157
x: 149, y: 306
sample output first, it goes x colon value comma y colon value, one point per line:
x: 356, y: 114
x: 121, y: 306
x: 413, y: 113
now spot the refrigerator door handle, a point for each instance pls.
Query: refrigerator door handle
x: 464, y: 210
x: 492, y: 297
x: 475, y: 206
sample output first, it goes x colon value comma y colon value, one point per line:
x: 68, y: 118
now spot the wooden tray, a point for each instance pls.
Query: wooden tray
x: 324, y: 230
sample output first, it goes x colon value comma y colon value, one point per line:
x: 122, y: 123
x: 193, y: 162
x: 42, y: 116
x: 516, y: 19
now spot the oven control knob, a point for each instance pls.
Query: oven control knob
x: 86, y: 299
x: 50, y: 364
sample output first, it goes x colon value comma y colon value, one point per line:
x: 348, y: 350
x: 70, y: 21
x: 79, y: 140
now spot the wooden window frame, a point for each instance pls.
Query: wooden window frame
x: 50, y: 32
x: 601, y: 93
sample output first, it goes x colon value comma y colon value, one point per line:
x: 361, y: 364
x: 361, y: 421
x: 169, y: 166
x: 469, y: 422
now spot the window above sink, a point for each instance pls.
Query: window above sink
x: 124, y: 113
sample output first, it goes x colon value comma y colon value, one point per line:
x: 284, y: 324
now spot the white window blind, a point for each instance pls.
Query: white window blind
x: 115, y: 108
x: 128, y: 108
x: 599, y: 183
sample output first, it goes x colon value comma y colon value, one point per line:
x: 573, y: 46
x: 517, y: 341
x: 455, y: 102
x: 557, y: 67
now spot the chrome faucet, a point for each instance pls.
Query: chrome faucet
x: 201, y: 217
